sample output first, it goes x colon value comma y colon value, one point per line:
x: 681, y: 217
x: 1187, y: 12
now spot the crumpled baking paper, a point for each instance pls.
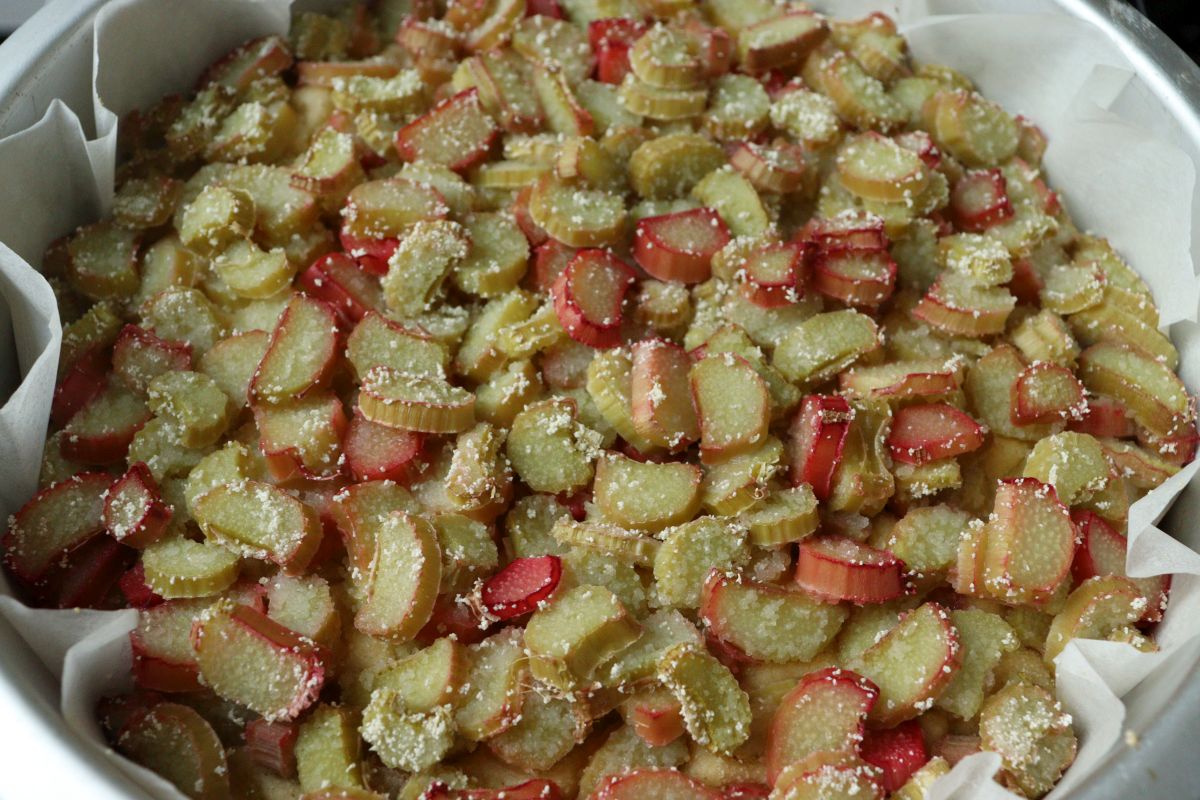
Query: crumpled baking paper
x: 1110, y: 155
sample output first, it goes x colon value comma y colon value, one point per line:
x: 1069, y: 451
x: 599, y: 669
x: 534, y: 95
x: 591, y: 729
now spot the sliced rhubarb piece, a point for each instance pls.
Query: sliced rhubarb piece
x: 548, y: 730
x: 457, y: 133
x: 87, y: 577
x: 875, y: 167
x: 577, y: 216
x: 816, y: 440
x: 959, y: 305
x: 1046, y: 393
x: 1104, y: 418
x: 775, y: 275
x: 903, y: 380
x: 716, y: 712
x: 256, y: 59
x: 898, y: 752
x: 733, y: 406
x: 1153, y: 394
x: 177, y: 743
x: 414, y: 403
x: 1102, y: 552
x: 1096, y: 608
x: 338, y: 281
x: 56, y: 520
x: 139, y: 357
x: 925, y: 433
x: 163, y: 659
x: 611, y: 39
x: 178, y: 567
x: 778, y: 167
x: 574, y: 633
x: 835, y: 568
x: 979, y: 200
x: 401, y: 584
x: 823, y: 345
x: 1029, y: 542
x: 854, y: 277
x: 81, y: 383
x: 304, y: 438
x: 781, y: 41
x: 667, y: 784
x: 134, y: 589
x: 912, y: 663
x: 377, y: 452
x: 669, y: 493
x: 134, y: 511
x: 521, y: 586
x: 656, y: 716
x: 247, y: 657
x: 764, y: 622
x: 825, y: 712
x: 1031, y: 733
x: 101, y: 432
x: 302, y: 352
x: 660, y: 396
x: 272, y: 745
x: 260, y: 521
x: 680, y: 246
x: 588, y: 296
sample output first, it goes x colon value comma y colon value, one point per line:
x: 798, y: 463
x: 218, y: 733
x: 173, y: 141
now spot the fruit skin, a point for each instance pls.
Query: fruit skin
x: 80, y: 384
x: 925, y: 433
x: 980, y: 200
x: 155, y: 516
x: 595, y: 327
x: 834, y: 569
x: 687, y: 261
x: 898, y: 752
x: 853, y: 696
x: 521, y: 586
x: 816, y: 439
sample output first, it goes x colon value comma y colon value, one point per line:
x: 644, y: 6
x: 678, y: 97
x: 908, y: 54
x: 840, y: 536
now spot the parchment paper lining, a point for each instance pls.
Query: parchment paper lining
x: 1108, y: 155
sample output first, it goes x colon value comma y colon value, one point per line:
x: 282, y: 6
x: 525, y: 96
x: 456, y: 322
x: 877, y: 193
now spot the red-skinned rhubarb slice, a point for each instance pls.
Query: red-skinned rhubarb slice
x: 775, y: 275
x: 778, y: 167
x: 661, y: 400
x: 247, y: 657
x: 979, y: 200
x: 835, y: 568
x: 337, y: 280
x: 378, y: 452
x: 1102, y: 551
x: 302, y: 352
x: 898, y: 752
x: 925, y: 433
x: 56, y: 520
x: 1104, y: 418
x: 134, y: 511
x: 1029, y: 542
x: 854, y: 277
x: 272, y: 745
x: 1046, y: 393
x: 588, y: 296
x: 826, y: 712
x: 521, y: 586
x: 82, y: 382
x: 816, y: 439
x: 680, y: 246
x: 458, y: 133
